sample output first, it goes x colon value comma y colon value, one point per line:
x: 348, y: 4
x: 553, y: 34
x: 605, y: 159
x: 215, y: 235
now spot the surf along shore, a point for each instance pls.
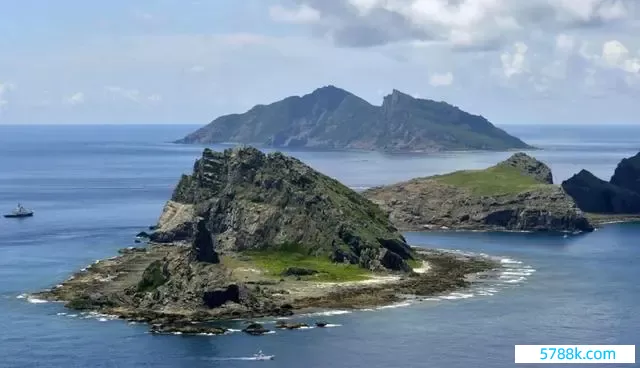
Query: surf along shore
x: 110, y: 286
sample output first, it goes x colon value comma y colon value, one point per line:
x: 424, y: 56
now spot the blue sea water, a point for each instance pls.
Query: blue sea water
x: 94, y: 187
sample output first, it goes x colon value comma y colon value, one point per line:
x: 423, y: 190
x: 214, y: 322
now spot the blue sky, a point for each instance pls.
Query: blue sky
x: 189, y: 61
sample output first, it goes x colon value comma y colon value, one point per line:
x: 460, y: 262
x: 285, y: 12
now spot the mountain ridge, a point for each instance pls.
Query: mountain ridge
x: 333, y: 118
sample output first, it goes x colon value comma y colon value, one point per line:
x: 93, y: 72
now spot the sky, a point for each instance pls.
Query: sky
x: 189, y: 61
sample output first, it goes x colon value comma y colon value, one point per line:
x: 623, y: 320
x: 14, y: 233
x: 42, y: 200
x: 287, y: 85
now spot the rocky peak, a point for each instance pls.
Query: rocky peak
x: 627, y: 174
x: 593, y: 194
x: 244, y: 199
x: 529, y: 166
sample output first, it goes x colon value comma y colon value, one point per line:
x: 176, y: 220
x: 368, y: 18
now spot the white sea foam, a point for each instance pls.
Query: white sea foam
x: 102, y: 319
x: 72, y: 315
x: 21, y: 296
x: 333, y: 325
x: 304, y: 328
x: 329, y: 313
x: 270, y: 333
x: 456, y: 296
x: 397, y: 305
x: 61, y: 314
x: 367, y: 310
x: 509, y: 261
x: 36, y: 300
x: 177, y: 333
x: 233, y: 330
x: 514, y: 281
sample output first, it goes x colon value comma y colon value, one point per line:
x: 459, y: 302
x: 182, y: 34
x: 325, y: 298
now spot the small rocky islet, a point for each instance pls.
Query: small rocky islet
x: 249, y: 235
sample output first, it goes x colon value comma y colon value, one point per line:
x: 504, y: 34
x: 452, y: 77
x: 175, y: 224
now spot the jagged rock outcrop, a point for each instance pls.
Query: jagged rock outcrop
x: 627, y: 174
x: 509, y: 196
x: 332, y: 118
x: 528, y: 165
x: 245, y: 199
x: 619, y: 196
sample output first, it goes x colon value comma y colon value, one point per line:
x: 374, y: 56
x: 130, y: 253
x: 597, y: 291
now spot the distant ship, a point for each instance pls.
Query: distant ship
x: 19, y: 212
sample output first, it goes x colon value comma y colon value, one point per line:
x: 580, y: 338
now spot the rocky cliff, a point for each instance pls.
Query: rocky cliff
x: 619, y: 196
x: 514, y: 195
x: 242, y: 200
x: 627, y: 174
x: 332, y: 118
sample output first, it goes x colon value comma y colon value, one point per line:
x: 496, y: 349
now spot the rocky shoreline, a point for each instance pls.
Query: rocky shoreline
x: 107, y: 287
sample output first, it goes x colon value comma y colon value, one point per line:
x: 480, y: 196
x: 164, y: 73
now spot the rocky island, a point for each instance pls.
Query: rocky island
x: 332, y: 118
x: 515, y: 195
x: 249, y: 234
x: 617, y: 199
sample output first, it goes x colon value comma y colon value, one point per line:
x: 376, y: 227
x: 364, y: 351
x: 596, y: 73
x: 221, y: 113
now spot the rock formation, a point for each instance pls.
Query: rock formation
x: 529, y: 166
x: 513, y: 195
x: 619, y: 196
x: 242, y: 199
x: 332, y: 118
x: 627, y: 174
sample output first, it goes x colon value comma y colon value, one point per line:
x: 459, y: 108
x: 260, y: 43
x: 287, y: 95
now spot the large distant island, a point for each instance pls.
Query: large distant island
x: 332, y: 118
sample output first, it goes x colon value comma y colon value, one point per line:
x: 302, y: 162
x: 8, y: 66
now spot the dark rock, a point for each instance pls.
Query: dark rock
x: 203, y: 244
x: 137, y: 241
x: 131, y: 250
x: 219, y: 297
x: 290, y: 326
x: 332, y: 118
x: 627, y: 174
x: 186, y: 328
x: 255, y: 329
x: 597, y: 196
x: 298, y: 271
x: 153, y: 227
x: 142, y: 234
x: 321, y: 324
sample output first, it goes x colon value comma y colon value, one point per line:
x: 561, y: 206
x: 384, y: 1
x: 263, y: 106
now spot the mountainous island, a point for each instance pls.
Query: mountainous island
x: 619, y: 196
x: 332, y: 118
x: 515, y: 195
x: 248, y: 235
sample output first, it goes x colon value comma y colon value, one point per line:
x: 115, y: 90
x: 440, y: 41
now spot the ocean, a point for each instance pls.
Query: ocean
x: 94, y: 187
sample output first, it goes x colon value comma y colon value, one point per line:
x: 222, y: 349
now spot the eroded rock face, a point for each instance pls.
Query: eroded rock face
x: 595, y: 195
x: 530, y: 166
x: 430, y: 203
x: 250, y: 200
x: 627, y: 174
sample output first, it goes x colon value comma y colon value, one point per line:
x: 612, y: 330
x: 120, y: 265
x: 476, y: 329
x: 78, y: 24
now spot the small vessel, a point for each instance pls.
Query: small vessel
x: 18, y: 212
x: 260, y: 356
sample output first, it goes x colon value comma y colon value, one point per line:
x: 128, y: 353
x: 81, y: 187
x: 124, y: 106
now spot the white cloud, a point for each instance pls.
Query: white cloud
x: 565, y: 43
x: 155, y: 98
x: 75, y: 99
x: 129, y: 94
x: 439, y: 80
x: 302, y: 14
x: 514, y: 63
x: 616, y: 55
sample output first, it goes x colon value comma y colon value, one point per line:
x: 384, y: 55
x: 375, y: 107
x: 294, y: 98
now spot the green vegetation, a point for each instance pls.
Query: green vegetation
x: 492, y: 181
x: 275, y: 261
x: 415, y: 263
x: 153, y: 277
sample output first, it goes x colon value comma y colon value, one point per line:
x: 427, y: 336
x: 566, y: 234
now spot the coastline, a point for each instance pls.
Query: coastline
x: 105, y: 288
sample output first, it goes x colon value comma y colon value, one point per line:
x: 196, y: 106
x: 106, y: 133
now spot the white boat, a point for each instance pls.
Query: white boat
x: 260, y: 356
